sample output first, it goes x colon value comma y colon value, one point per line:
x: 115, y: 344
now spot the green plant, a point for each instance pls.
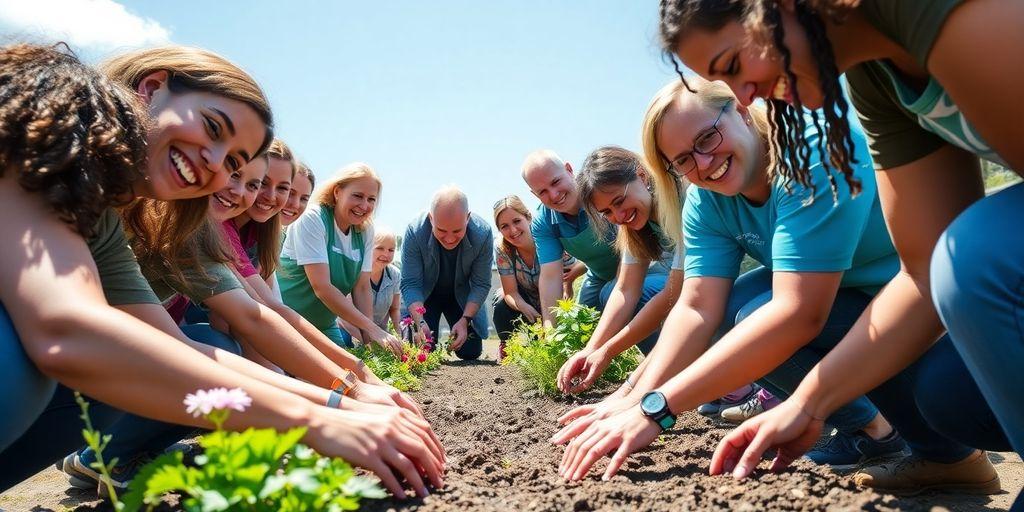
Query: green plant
x: 540, y: 353
x: 257, y: 470
x: 98, y: 442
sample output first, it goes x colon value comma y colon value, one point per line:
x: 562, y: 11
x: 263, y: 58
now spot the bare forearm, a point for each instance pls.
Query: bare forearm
x: 155, y: 372
x: 898, y: 326
x: 321, y: 342
x: 616, y: 314
x: 684, y: 337
x: 642, y: 325
x: 276, y: 340
x: 245, y: 367
x: 345, y: 309
x: 550, y: 288
x: 749, y: 351
x: 471, y: 309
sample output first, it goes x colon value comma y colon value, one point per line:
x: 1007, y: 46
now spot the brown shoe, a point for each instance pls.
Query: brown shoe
x: 912, y: 475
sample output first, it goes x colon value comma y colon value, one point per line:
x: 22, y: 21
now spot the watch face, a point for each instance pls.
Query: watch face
x: 652, y: 402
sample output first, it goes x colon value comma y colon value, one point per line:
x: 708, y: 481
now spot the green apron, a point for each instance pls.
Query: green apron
x: 298, y: 293
x: 599, y: 257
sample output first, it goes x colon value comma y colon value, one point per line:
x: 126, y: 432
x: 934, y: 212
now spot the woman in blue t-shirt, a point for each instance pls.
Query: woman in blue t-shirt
x: 773, y: 323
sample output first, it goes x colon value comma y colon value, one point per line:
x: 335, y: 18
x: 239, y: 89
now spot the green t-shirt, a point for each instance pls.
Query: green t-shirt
x: 905, y: 123
x: 120, y: 276
x: 208, y: 279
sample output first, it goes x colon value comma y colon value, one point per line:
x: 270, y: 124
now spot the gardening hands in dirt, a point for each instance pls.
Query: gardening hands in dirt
x: 387, y: 341
x: 582, y: 370
x: 579, y: 419
x: 460, y: 332
x: 384, y: 395
x: 787, y: 428
x: 623, y: 433
x: 394, y: 445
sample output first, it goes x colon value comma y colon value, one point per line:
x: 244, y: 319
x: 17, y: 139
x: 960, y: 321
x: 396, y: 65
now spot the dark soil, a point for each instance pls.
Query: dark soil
x: 499, y: 458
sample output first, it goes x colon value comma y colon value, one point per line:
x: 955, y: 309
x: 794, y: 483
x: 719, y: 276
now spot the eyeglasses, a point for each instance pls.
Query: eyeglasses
x: 704, y: 144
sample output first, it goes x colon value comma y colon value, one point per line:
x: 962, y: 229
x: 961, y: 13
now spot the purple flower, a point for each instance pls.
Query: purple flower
x: 204, y: 402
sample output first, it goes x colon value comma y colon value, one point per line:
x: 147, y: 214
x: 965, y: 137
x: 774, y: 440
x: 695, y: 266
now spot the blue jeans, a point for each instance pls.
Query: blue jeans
x: 653, y: 283
x: 339, y: 336
x: 135, y: 435
x: 753, y: 290
x: 44, y: 426
x: 977, y: 279
x: 895, y: 398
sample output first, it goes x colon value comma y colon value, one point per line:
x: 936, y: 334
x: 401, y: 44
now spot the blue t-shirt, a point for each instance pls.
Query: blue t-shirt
x: 787, y: 235
x: 596, y: 250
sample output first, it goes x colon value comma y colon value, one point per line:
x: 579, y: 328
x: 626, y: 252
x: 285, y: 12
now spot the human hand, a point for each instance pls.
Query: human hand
x: 577, y: 420
x: 787, y: 428
x: 460, y: 331
x: 387, y: 341
x: 530, y: 313
x: 393, y: 444
x: 583, y: 370
x: 625, y: 433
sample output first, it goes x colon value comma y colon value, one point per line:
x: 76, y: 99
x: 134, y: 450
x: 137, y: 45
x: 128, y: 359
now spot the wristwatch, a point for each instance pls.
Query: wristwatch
x: 344, y: 383
x: 655, y: 406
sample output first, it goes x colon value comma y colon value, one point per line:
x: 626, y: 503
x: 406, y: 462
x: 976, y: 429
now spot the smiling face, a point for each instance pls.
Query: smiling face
x: 626, y: 205
x: 240, y: 193
x: 735, y: 166
x: 298, y: 199
x: 515, y: 228
x: 728, y: 55
x: 274, y: 191
x: 195, y: 140
x: 384, y: 252
x: 355, y: 201
x: 448, y: 224
x: 554, y: 186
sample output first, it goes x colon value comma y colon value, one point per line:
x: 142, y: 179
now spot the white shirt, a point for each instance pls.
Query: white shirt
x: 306, y: 241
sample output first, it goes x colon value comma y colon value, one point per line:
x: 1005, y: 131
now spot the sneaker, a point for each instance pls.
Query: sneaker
x: 82, y: 476
x: 975, y: 474
x: 760, y: 402
x: 77, y: 479
x: 844, y: 452
x: 715, y: 407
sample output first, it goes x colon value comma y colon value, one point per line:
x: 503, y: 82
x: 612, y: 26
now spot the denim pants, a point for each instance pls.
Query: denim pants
x: 895, y: 398
x: 41, y: 421
x: 977, y: 281
x: 473, y: 346
x: 654, y: 282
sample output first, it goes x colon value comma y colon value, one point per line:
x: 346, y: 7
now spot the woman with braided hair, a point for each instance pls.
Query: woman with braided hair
x: 932, y: 101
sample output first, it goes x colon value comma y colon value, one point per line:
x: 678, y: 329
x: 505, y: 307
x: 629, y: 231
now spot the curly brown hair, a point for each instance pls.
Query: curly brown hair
x: 762, y: 20
x: 69, y: 133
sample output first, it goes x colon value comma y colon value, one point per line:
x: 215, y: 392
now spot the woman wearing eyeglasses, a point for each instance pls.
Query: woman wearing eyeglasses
x: 771, y: 324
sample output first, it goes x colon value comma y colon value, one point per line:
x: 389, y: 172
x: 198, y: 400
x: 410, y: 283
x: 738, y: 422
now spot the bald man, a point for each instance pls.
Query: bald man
x: 446, y: 269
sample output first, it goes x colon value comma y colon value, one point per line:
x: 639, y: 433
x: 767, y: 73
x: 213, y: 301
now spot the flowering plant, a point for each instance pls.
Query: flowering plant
x: 258, y: 469
x: 540, y: 353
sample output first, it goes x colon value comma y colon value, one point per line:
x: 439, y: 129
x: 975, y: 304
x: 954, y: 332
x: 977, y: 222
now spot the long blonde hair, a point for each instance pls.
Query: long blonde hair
x: 324, y: 196
x: 514, y: 202
x: 197, y: 70
x: 668, y: 188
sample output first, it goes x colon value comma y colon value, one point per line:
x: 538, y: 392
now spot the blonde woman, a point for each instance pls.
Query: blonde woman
x: 515, y: 256
x: 328, y: 255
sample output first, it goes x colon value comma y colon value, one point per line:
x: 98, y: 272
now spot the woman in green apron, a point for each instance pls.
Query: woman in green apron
x: 326, y: 256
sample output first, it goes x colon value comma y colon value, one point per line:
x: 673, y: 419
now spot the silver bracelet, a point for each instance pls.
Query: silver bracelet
x: 334, y: 400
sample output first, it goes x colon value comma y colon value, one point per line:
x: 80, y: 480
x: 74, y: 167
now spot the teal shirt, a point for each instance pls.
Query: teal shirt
x: 787, y: 235
x: 594, y: 247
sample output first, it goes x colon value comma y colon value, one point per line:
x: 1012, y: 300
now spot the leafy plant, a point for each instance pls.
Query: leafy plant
x: 403, y: 373
x: 98, y: 442
x: 257, y: 470
x: 540, y: 353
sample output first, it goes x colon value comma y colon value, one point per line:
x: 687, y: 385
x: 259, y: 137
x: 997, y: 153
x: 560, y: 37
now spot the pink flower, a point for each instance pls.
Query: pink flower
x: 422, y: 357
x: 405, y: 358
x: 428, y: 347
x: 203, y: 402
x: 420, y: 309
x: 406, y: 322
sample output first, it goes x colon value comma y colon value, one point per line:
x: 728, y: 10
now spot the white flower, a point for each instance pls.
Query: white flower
x: 205, y: 401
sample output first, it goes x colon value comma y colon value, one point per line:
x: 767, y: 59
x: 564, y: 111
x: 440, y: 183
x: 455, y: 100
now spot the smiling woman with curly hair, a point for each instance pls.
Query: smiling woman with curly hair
x: 74, y: 306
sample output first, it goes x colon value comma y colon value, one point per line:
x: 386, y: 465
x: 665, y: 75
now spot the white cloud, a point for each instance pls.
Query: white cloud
x: 93, y: 25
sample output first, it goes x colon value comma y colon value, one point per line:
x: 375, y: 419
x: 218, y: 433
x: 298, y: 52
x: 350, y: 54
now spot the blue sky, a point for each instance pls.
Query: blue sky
x: 428, y: 93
